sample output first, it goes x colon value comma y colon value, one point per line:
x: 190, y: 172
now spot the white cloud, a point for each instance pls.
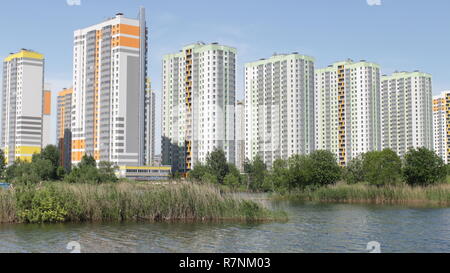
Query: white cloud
x: 374, y: 2
x: 73, y: 2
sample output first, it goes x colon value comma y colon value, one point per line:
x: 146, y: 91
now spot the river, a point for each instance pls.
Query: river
x: 312, y: 228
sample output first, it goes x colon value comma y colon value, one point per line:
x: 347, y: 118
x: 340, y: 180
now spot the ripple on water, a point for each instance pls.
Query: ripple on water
x: 311, y: 228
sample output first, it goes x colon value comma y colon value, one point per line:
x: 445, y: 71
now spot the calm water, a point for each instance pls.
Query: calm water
x: 311, y: 228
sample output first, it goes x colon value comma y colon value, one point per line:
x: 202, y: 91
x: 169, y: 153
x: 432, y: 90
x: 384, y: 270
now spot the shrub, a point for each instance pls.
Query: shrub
x: 423, y: 167
x: 40, y: 205
x: 382, y: 168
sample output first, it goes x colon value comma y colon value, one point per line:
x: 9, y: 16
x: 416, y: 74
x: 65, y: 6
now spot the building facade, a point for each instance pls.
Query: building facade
x: 46, y: 118
x: 441, y: 125
x: 23, y: 104
x: 63, y: 127
x: 279, y: 107
x: 406, y: 111
x: 108, y: 99
x: 198, y: 104
x: 240, y: 135
x: 150, y: 105
x: 347, y: 109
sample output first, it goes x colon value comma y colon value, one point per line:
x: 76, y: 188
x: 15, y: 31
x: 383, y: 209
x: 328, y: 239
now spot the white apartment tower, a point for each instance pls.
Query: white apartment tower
x: 441, y: 125
x: 240, y: 135
x: 406, y: 111
x: 23, y: 104
x: 198, y: 105
x: 108, y: 99
x: 279, y: 107
x: 347, y: 103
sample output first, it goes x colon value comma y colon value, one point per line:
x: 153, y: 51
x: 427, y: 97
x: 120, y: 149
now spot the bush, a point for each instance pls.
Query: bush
x: 324, y: 169
x: 354, y: 172
x: 40, y: 205
x: 382, y: 168
x: 423, y: 167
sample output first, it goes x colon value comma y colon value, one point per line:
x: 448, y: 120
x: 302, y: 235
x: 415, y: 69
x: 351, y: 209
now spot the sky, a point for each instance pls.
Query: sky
x: 399, y: 35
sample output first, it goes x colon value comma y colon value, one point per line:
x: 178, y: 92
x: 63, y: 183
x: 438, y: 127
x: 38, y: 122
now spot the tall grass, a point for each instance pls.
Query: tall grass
x: 362, y: 193
x: 7, y: 207
x: 126, y: 201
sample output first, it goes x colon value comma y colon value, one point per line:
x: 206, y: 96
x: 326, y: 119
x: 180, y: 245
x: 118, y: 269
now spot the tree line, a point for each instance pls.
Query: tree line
x: 419, y: 167
x: 46, y: 166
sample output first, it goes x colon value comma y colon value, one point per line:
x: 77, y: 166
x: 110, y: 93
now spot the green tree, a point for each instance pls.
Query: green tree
x: 232, y: 181
x: 323, y: 168
x: 382, y: 168
x: 2, y: 163
x: 198, y: 172
x: 299, y: 175
x: 278, y: 178
x: 51, y: 154
x: 216, y: 163
x: 423, y: 167
x: 256, y: 171
x: 88, y: 161
x: 43, y: 168
x: 107, y: 172
x: 354, y: 172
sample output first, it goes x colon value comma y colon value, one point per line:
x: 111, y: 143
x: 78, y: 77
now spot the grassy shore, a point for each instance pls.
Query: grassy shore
x: 438, y: 195
x: 125, y: 201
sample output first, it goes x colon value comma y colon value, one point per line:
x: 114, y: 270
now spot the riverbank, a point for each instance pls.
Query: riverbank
x: 127, y: 201
x: 438, y: 195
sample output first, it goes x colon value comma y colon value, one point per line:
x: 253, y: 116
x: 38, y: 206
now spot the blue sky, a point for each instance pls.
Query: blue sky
x: 397, y: 34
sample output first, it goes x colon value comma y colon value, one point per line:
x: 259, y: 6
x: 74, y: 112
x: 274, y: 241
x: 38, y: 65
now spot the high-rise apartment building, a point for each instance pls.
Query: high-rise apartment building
x: 63, y: 128
x: 198, y: 104
x: 46, y: 118
x: 279, y: 107
x: 347, y: 105
x: 441, y: 125
x: 240, y: 135
x: 23, y: 104
x: 406, y: 111
x: 149, y: 124
x: 108, y: 99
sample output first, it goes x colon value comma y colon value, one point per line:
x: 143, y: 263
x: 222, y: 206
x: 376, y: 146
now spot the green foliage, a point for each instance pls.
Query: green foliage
x: 216, y: 164
x: 256, y: 171
x: 198, y: 172
x: 2, y: 163
x: 23, y: 173
x: 217, y: 171
x: 87, y: 161
x: 354, y: 172
x: 39, y: 205
x: 107, y: 172
x: 50, y: 154
x: 323, y: 168
x: 423, y: 167
x: 382, y: 168
x: 120, y: 202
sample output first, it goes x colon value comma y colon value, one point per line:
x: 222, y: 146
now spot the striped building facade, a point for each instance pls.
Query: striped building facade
x: 279, y: 107
x: 406, y: 111
x: 441, y: 125
x: 23, y: 105
x: 108, y: 99
x: 199, y: 88
x: 347, y: 106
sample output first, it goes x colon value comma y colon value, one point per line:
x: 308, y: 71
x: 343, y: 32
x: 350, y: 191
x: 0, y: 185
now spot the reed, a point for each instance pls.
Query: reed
x: 361, y: 193
x: 125, y: 201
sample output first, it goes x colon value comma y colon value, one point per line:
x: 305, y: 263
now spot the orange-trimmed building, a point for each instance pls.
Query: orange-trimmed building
x: 108, y: 98
x: 63, y: 128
